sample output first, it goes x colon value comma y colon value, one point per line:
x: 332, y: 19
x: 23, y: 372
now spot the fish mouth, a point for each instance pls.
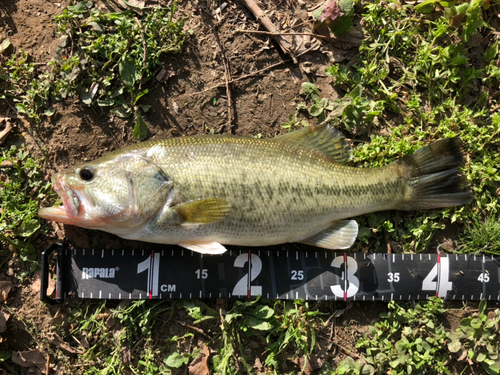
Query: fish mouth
x: 71, y: 208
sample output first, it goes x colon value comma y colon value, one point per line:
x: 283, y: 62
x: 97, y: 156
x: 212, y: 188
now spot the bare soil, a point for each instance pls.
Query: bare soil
x: 194, y: 100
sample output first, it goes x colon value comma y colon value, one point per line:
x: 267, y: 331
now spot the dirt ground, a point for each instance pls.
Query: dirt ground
x: 193, y: 101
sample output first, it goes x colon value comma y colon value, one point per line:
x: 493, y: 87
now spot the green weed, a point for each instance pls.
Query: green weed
x: 22, y: 187
x: 415, y: 77
x: 407, y: 340
x: 104, y: 58
x: 335, y: 15
x: 294, y: 123
x: 116, y: 336
x: 481, y: 237
x: 21, y: 84
x: 283, y: 329
x: 476, y: 341
x: 107, y: 57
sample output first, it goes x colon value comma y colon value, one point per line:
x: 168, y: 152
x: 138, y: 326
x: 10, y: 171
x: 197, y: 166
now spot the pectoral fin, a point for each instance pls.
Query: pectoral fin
x: 341, y: 235
x: 213, y: 248
x: 202, y: 211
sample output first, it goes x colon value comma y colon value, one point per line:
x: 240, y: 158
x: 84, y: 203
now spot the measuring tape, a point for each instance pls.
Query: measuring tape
x: 176, y: 273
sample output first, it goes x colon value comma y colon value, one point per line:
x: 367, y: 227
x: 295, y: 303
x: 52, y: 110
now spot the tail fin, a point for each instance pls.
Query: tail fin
x: 435, y: 177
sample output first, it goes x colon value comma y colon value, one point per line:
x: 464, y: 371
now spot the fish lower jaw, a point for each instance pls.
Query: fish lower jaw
x: 53, y: 213
x: 60, y: 215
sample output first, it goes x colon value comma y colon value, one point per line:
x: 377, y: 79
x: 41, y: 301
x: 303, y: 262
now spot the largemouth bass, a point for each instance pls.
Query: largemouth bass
x: 203, y: 192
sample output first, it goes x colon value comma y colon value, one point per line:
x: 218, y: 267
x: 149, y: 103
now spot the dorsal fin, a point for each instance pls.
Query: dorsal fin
x: 325, y: 139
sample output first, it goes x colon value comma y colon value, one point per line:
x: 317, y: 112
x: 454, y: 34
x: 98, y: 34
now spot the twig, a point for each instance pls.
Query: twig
x: 47, y: 365
x: 345, y: 350
x: 284, y: 33
x: 300, y: 24
x: 252, y: 74
x: 4, y: 133
x: 227, y: 73
x: 269, y: 26
x: 137, y: 344
x: 143, y: 47
x: 244, y: 76
x: 200, y: 331
x: 227, y: 78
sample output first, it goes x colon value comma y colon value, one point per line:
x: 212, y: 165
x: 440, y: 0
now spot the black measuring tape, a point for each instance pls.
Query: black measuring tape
x: 176, y: 273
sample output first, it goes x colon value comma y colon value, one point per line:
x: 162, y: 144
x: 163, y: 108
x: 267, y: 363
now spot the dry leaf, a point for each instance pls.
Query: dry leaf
x: 199, y: 365
x: 5, y: 132
x: 313, y: 363
x: 136, y: 5
x: 258, y: 364
x: 29, y: 358
x: 6, y: 164
x: 56, y: 340
x: 36, y: 282
x: 164, y: 75
x: 125, y: 355
x: 335, y: 55
x: 60, y: 369
x: 59, y: 229
x: 5, y: 288
x: 3, y: 321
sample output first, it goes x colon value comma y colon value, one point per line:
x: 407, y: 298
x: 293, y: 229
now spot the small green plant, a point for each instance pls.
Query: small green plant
x: 407, y: 340
x: 284, y: 328
x: 104, y: 58
x: 20, y: 84
x: 249, y: 318
x: 112, y: 335
x: 349, y: 366
x: 295, y: 327
x: 476, y: 341
x: 111, y: 55
x: 294, y: 123
x: 336, y: 15
x: 21, y: 189
x: 324, y: 109
x: 412, y: 78
x: 178, y: 357
x: 468, y: 14
x: 321, y: 105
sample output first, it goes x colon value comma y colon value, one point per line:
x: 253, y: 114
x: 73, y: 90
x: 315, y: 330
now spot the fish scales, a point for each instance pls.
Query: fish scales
x: 202, y: 192
x: 293, y: 197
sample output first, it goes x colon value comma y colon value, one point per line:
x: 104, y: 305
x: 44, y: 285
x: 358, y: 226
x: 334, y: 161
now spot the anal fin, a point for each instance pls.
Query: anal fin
x: 213, y: 248
x: 341, y: 235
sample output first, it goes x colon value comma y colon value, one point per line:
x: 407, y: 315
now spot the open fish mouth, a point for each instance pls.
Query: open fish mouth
x: 70, y: 209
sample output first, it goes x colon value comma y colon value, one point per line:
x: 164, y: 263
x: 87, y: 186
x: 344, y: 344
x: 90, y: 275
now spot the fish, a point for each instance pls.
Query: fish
x: 205, y: 192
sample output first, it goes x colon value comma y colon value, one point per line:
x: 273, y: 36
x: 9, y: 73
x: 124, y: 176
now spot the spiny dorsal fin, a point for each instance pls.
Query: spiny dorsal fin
x: 323, y: 138
x: 202, y: 211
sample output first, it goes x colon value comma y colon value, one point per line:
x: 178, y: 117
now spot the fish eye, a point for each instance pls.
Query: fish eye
x: 86, y: 174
